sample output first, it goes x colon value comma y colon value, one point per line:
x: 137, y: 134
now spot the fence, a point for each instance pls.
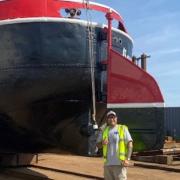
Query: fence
x: 172, y: 122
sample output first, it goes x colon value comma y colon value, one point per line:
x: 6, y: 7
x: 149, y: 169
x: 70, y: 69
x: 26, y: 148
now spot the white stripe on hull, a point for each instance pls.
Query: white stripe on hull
x: 52, y: 19
x: 135, y: 105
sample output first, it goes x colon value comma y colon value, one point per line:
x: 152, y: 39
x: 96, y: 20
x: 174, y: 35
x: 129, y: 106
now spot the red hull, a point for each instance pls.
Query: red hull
x: 131, y: 86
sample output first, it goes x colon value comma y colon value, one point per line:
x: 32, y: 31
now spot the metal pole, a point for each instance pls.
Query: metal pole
x: 143, y: 61
x: 109, y: 47
x: 134, y: 59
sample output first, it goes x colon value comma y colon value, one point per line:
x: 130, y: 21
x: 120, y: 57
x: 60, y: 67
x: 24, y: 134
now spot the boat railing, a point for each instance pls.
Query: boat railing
x: 13, y: 9
x: 86, y: 4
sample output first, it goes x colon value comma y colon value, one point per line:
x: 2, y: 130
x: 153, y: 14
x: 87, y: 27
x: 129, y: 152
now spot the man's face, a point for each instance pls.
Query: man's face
x: 112, y: 120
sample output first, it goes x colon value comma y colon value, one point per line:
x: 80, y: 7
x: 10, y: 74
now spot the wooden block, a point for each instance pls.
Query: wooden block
x: 149, y: 153
x: 27, y: 159
x: 18, y: 159
x: 177, y: 158
x: 168, y: 138
x: 171, y: 151
x: 160, y: 159
x: 169, y: 145
x: 164, y: 159
x: 175, y: 163
x: 149, y: 159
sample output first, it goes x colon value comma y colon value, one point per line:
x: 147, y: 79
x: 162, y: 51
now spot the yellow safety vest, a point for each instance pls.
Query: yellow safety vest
x: 122, y: 148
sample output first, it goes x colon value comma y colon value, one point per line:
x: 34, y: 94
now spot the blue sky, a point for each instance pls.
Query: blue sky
x: 155, y: 28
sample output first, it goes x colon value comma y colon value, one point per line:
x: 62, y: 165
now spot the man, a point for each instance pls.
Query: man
x: 117, y: 148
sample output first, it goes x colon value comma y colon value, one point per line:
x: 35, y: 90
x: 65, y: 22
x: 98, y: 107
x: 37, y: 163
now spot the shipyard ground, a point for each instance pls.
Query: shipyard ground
x: 71, y: 167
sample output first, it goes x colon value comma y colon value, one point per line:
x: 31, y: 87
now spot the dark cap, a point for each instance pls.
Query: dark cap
x: 111, y: 113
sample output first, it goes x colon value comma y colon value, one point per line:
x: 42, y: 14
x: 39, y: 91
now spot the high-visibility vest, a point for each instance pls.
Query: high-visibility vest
x: 122, y: 148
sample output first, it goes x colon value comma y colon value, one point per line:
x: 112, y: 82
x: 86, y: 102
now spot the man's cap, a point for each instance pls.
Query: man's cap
x: 111, y: 113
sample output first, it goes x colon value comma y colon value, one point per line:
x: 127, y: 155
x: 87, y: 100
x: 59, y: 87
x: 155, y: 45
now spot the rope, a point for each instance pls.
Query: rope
x: 92, y: 59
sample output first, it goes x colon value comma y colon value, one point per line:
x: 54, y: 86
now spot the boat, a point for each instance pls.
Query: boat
x: 60, y: 74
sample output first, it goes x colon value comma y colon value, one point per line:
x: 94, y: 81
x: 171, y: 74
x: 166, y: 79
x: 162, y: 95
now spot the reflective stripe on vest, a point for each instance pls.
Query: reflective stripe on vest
x: 122, y: 150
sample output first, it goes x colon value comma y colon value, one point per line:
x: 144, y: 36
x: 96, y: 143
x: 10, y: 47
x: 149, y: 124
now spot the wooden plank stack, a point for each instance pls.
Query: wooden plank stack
x: 169, y: 155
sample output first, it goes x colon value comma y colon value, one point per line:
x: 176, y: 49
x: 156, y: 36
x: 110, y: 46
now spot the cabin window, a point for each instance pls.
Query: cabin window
x: 120, y: 41
x: 117, y: 41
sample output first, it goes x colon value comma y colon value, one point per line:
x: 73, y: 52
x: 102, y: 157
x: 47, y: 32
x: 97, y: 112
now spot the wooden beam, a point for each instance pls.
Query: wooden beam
x: 160, y: 159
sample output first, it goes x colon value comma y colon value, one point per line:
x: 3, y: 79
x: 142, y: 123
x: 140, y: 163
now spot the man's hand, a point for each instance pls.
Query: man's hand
x: 105, y: 142
x: 127, y: 163
x: 100, y: 144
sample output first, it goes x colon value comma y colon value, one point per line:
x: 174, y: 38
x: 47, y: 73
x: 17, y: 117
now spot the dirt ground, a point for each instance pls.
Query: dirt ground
x: 94, y: 166
x: 136, y: 173
x: 86, y: 166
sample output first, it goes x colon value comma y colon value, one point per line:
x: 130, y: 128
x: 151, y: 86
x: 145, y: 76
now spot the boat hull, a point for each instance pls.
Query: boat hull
x: 45, y: 80
x: 40, y: 59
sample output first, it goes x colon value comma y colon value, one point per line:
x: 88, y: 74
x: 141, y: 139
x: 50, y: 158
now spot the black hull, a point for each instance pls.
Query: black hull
x: 41, y: 63
x: 43, y: 59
